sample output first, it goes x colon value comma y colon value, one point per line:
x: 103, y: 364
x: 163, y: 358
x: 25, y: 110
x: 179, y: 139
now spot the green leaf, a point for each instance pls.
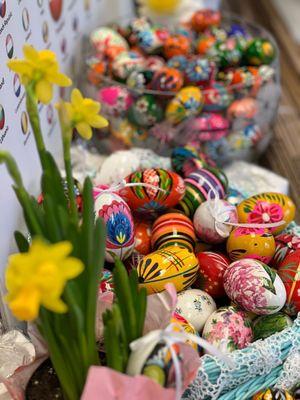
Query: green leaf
x: 22, y: 242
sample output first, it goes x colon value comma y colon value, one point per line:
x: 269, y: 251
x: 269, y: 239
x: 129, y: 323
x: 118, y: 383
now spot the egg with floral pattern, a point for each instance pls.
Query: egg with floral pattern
x: 286, y: 243
x: 228, y: 329
x: 199, y: 71
x: 187, y: 103
x: 181, y: 323
x: 254, y: 286
x: 127, y: 62
x: 208, y: 127
x: 106, y: 281
x: 119, y: 224
x: 256, y: 243
x: 167, y: 80
x: 195, y: 306
x: 289, y: 272
x: 145, y: 111
x: 217, y: 97
x: 266, y: 208
x: 115, y: 100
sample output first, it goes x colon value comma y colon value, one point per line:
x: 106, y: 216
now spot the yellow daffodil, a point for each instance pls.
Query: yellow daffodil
x: 41, y: 69
x: 161, y: 6
x: 84, y: 114
x: 38, y: 278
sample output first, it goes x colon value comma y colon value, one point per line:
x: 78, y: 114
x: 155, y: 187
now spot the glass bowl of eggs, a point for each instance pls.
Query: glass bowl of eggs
x: 212, y: 82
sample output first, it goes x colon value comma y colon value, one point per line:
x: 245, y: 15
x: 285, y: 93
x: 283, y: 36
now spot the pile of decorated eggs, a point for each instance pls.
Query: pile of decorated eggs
x: 234, y: 267
x: 200, y: 73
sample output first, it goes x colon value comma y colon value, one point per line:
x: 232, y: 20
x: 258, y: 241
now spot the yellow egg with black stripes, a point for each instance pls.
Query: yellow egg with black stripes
x: 173, y: 264
x: 265, y: 208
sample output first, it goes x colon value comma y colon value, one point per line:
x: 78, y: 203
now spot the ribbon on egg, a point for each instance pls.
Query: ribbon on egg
x: 171, y: 337
x: 219, y: 215
x: 123, y: 184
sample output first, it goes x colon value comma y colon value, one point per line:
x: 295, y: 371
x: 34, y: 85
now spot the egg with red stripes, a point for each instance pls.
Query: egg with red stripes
x: 119, y: 224
x: 154, y: 190
x: 173, y: 264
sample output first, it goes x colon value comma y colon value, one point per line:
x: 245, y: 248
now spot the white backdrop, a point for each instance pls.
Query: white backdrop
x: 53, y: 24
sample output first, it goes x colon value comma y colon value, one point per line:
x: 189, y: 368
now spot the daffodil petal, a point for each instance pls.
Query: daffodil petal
x: 44, y: 91
x: 84, y: 130
x: 54, y: 304
x: 60, y: 250
x: 72, y: 267
x: 76, y: 98
x: 30, y: 53
x: 97, y: 121
x: 91, y: 107
x: 26, y: 305
x: 59, y: 79
x: 20, y: 66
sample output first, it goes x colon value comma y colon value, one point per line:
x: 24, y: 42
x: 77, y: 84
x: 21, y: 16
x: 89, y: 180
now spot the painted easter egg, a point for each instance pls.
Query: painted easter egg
x: 266, y: 325
x: 266, y: 208
x: 206, y: 18
x: 96, y: 71
x: 127, y: 62
x: 234, y: 196
x: 185, y: 326
x: 167, y: 79
x: 199, y: 71
x: 178, y: 62
x: 254, y: 286
x: 106, y: 281
x: 273, y: 394
x: 199, y: 186
x: 195, y: 306
x: 229, y: 52
x: 228, y: 329
x: 210, y: 220
x: 176, y: 45
x: 260, y: 51
x: 145, y: 111
x: 154, y: 63
x: 143, y: 232
x: 149, y: 40
x: 245, y: 108
x: 289, y: 272
x: 212, y: 267
x: 180, y: 155
x: 165, y: 190
x: 104, y: 37
x: 216, y: 97
x: 173, y: 229
x: 119, y: 224
x: 173, y: 264
x: 126, y: 132
x: 256, y: 243
x: 186, y: 103
x: 285, y: 245
x: 115, y: 100
x: 208, y: 127
x: 139, y: 79
x: 204, y: 44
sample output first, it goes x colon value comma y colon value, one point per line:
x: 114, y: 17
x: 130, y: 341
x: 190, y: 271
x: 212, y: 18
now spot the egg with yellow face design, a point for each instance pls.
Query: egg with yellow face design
x: 173, y: 264
x: 267, y: 208
x: 256, y: 243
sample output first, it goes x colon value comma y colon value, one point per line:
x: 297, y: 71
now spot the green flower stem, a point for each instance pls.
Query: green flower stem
x: 31, y: 104
x: 69, y: 175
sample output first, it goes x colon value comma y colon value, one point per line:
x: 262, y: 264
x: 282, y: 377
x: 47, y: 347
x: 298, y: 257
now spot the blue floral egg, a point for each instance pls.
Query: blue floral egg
x: 199, y: 71
x: 119, y: 224
x: 178, y: 62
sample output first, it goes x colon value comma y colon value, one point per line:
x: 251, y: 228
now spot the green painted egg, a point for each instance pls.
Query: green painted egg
x: 267, y: 325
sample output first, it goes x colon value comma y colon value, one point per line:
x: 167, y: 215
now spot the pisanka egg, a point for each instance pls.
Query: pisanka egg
x: 289, y: 272
x: 155, y: 191
x: 173, y: 264
x: 206, y: 18
x: 254, y: 286
x: 199, y: 71
x: 228, y: 329
x: 208, y: 127
x: 285, y: 244
x: 273, y: 394
x: 211, y: 218
x: 143, y: 231
x: 115, y: 100
x: 217, y: 97
x: 267, y: 208
x: 104, y: 37
x: 181, y: 323
x: 167, y: 79
x: 118, y: 221
x: 126, y: 132
x: 267, y: 325
x: 186, y: 103
x: 176, y: 45
x: 199, y: 186
x: 173, y: 229
x: 195, y: 306
x: 246, y: 108
x: 212, y: 267
x: 256, y: 243
x: 145, y: 111
x: 127, y: 62
x: 106, y: 281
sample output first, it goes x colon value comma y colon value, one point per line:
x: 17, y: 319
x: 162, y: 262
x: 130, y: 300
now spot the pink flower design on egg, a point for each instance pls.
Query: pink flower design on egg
x: 265, y: 212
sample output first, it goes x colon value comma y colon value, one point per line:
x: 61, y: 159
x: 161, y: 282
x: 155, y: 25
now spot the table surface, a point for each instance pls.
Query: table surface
x: 283, y: 155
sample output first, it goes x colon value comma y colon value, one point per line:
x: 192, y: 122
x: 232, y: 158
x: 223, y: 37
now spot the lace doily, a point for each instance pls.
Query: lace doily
x: 258, y: 366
